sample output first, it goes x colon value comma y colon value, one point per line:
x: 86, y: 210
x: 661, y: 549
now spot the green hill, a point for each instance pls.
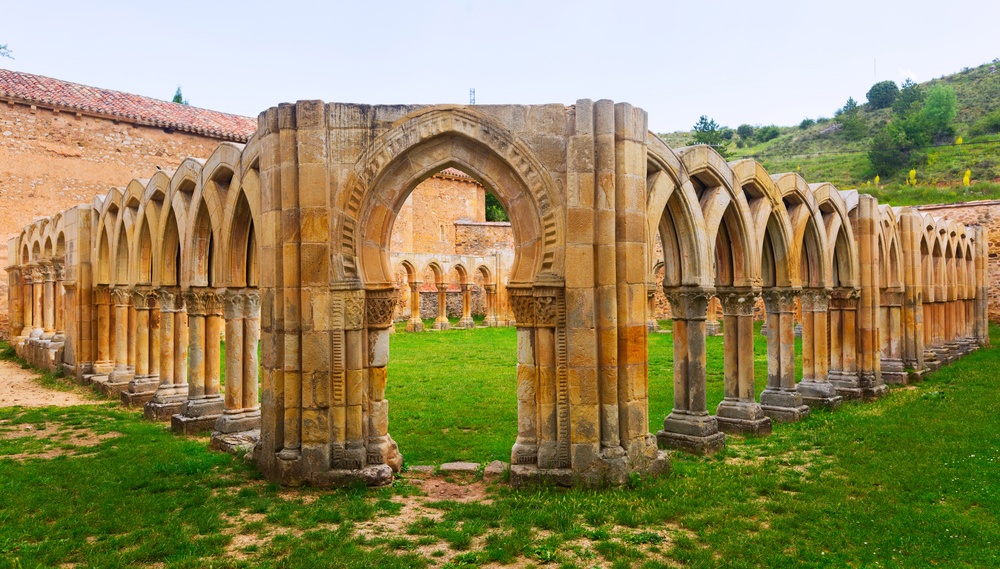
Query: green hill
x: 837, y: 150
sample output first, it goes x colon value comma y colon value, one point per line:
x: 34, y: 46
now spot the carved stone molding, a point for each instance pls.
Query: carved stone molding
x: 778, y: 300
x: 232, y: 304
x: 546, y: 306
x: 102, y: 294
x: 891, y: 298
x: 354, y: 310
x: 168, y: 299
x: 490, y: 288
x: 815, y: 300
x: 845, y: 298
x: 522, y: 305
x: 122, y: 296
x: 415, y: 286
x: 251, y: 304
x: 737, y: 302
x: 688, y: 303
x: 143, y: 299
x: 380, y: 305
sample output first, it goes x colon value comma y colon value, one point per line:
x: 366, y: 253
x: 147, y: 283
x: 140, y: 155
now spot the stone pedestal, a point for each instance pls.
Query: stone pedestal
x: 893, y: 371
x: 694, y: 433
x: 819, y: 394
x: 739, y: 412
x: 780, y: 401
x: 198, y: 415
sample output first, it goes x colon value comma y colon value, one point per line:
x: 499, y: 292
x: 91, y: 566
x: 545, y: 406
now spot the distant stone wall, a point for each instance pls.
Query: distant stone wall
x: 424, y: 223
x: 483, y: 238
x: 987, y: 214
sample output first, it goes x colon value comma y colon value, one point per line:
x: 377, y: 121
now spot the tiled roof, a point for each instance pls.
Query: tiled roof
x: 64, y: 95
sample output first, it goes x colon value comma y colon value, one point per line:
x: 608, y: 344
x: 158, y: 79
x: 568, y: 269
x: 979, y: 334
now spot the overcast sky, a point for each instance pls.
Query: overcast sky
x: 751, y: 61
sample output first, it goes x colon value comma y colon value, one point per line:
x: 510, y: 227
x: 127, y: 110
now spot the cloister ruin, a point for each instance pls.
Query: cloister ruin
x: 284, y: 241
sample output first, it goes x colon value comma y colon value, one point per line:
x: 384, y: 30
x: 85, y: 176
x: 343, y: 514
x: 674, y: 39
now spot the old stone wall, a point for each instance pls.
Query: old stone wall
x: 51, y: 161
x: 483, y: 237
x: 986, y: 214
x: 425, y: 222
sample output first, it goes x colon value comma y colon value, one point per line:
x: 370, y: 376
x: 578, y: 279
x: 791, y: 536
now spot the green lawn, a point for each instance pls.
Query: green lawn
x: 911, y: 480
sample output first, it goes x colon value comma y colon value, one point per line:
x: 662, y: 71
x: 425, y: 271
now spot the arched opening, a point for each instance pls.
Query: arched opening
x: 145, y: 253
x: 243, y: 246
x: 202, y: 249
x: 170, y: 256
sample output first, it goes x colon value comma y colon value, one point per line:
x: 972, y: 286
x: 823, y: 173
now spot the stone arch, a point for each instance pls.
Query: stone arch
x: 151, y: 216
x: 424, y: 143
x: 772, y: 225
x: 841, y: 257
x: 242, y: 251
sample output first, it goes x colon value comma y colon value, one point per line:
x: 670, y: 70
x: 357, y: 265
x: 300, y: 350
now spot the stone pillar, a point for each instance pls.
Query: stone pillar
x: 242, y: 313
x: 27, y: 301
x: 890, y: 333
x: 144, y: 384
x: 912, y: 319
x: 843, y: 351
x: 103, y: 363
x: 652, y: 324
x: 466, y: 322
x: 415, y: 323
x: 204, y: 403
x: 689, y: 427
x: 131, y: 344
x: 441, y: 322
x: 525, y: 449
x: 815, y: 387
x: 14, y: 304
x: 780, y: 400
x: 171, y: 392
x: 712, y: 326
x: 37, y: 282
x: 739, y: 412
x: 120, y: 377
x: 48, y: 301
x: 59, y: 305
x: 491, y: 305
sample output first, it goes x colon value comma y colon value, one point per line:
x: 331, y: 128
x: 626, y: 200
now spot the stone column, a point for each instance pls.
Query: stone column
x: 780, y: 400
x: 712, y: 326
x: 912, y: 319
x: 171, y: 392
x: 59, y: 307
x: 466, y: 321
x: 144, y: 384
x: 491, y: 305
x: 103, y: 363
x: 652, y: 324
x: 815, y: 387
x: 843, y: 350
x: 15, y: 307
x: 415, y: 323
x: 204, y: 404
x: 131, y: 338
x: 525, y: 449
x: 890, y: 334
x: 689, y: 427
x: 37, y: 282
x: 242, y: 313
x: 27, y: 301
x: 121, y: 375
x: 739, y: 412
x: 441, y: 322
x: 48, y: 301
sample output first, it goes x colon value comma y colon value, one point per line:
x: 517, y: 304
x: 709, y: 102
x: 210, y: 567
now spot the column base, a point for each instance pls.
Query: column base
x: 229, y: 423
x: 439, y: 325
x: 931, y: 361
x: 894, y: 372
x: 413, y: 325
x: 140, y: 390
x: 783, y: 406
x: 466, y: 324
x: 819, y: 395
x: 136, y: 399
x: 161, y: 412
x: 697, y: 434
x: 491, y: 322
x: 103, y: 367
x: 239, y: 443
x: 742, y: 417
x: 652, y: 326
x: 198, y: 415
x: 713, y: 328
x: 797, y: 330
x: 117, y: 382
x: 944, y: 355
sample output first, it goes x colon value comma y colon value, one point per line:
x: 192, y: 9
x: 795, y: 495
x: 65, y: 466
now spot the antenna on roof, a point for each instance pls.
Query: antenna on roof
x: 472, y: 96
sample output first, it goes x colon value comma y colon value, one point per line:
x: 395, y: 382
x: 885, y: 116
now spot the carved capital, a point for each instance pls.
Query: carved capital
x: 490, y: 288
x: 213, y: 303
x: 37, y: 276
x: 844, y: 298
x: 380, y: 305
x: 891, y: 298
x: 815, y: 300
x: 466, y: 287
x: 415, y: 286
x: 143, y: 299
x: 251, y: 304
x: 195, y: 302
x: 232, y: 304
x: 522, y: 305
x: 354, y: 310
x: 122, y: 295
x: 688, y: 303
x: 778, y: 300
x: 168, y: 299
x: 737, y: 302
x: 47, y: 270
x: 547, y: 306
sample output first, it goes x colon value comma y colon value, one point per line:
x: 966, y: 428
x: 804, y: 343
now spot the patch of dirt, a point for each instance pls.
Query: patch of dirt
x: 58, y: 441
x: 19, y: 387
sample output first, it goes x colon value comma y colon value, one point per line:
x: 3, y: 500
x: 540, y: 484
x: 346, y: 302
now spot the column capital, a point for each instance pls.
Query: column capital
x: 845, y: 298
x: 169, y: 299
x: 737, y: 301
x: 380, y: 305
x: 522, y: 305
x: 815, y: 300
x: 37, y: 276
x: 490, y: 288
x: 122, y: 295
x: 688, y: 303
x: 466, y: 287
x: 415, y: 286
x: 102, y: 294
x: 232, y: 304
x: 203, y: 302
x: 143, y: 299
x: 251, y: 303
x: 778, y: 300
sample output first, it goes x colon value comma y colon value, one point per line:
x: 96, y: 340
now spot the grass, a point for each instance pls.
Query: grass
x: 909, y: 480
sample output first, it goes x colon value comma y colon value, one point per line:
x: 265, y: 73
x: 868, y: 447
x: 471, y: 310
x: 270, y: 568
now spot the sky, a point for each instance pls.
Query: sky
x: 757, y: 62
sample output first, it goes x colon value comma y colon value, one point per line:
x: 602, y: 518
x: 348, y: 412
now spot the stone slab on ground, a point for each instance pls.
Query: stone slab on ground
x: 238, y: 444
x: 421, y: 468
x: 495, y: 470
x: 459, y: 467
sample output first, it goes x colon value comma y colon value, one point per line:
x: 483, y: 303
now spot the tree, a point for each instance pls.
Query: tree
x: 886, y: 150
x: 910, y: 99
x: 745, y: 131
x: 766, y: 133
x: 940, y: 110
x: 854, y: 123
x: 707, y: 131
x: 806, y: 123
x: 5, y: 51
x: 882, y: 94
x: 494, y: 210
x: 178, y: 97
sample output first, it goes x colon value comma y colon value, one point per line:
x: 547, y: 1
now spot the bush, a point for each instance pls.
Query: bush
x: 745, y: 131
x: 806, y: 123
x: 766, y: 133
x: 989, y: 124
x: 882, y: 94
x: 909, y: 100
x: 887, y: 151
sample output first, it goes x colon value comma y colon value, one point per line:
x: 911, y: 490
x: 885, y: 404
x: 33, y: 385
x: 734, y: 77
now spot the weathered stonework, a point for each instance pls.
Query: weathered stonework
x: 294, y: 229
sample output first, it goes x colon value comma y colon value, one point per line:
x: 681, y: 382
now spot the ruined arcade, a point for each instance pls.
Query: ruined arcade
x: 287, y: 240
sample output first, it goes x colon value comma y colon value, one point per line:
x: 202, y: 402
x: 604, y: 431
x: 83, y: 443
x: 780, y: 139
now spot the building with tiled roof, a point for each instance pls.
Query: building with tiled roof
x: 18, y: 87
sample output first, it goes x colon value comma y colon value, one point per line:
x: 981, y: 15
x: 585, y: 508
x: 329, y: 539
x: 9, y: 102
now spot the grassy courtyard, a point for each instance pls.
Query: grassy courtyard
x: 911, y: 480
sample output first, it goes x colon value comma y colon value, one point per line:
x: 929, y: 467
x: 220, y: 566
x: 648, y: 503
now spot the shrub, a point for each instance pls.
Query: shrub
x: 887, y: 150
x: 882, y: 94
x: 745, y: 131
x: 989, y: 124
x: 766, y: 133
x: 806, y: 123
x: 909, y: 100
